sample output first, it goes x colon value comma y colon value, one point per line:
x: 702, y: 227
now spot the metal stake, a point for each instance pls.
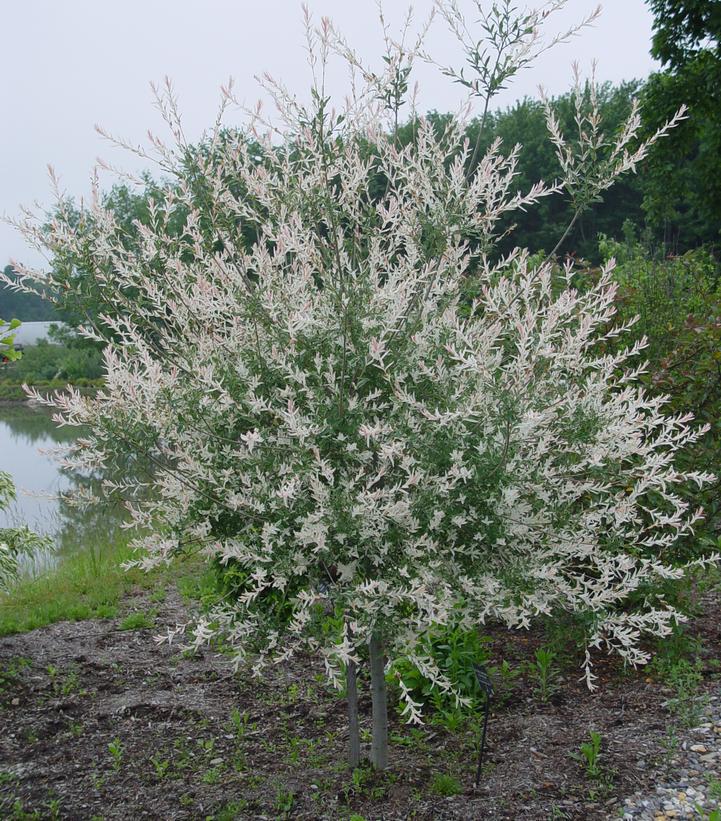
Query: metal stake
x: 486, y: 684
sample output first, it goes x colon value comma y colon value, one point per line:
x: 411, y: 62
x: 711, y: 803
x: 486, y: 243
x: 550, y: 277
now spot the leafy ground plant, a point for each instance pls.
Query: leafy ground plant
x: 447, y: 785
x: 115, y: 748
x: 544, y: 672
x: 141, y: 620
x: 589, y: 755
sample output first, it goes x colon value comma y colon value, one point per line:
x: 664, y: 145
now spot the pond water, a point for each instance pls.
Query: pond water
x: 30, y: 333
x: 26, y: 431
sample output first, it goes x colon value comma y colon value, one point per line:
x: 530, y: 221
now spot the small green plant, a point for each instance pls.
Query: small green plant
x: 232, y: 810
x: 684, y: 678
x: 76, y: 728
x: 360, y: 776
x: 714, y: 788
x: 158, y: 595
x: 414, y: 737
x: 12, y: 671
x: 670, y: 743
x: 63, y: 685
x: 182, y: 758
x: 545, y: 673
x: 71, y: 683
x: 239, y: 722
x: 687, y: 704
x: 211, y: 776
x: 115, y: 748
x: 238, y: 761
x: 160, y: 765
x: 589, y: 755
x: 30, y: 736
x: 18, y: 812
x: 53, y: 809
x: 206, y: 745
x: 504, y: 681
x: 284, y: 799
x: 445, y: 785
x: 138, y: 621
x: 294, y: 753
x: 450, y: 717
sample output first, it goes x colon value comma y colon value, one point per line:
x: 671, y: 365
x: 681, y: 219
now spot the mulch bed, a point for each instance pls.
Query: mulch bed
x: 193, y: 740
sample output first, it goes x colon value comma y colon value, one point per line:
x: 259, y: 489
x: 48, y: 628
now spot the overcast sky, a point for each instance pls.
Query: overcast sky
x: 68, y: 64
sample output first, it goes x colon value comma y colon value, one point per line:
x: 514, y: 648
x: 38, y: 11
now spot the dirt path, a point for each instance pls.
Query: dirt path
x: 99, y: 722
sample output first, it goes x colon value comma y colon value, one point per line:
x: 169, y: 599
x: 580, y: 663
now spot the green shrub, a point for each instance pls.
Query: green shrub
x: 678, y: 304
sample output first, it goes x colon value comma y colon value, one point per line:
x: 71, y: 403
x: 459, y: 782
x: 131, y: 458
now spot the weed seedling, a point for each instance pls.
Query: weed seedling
x: 284, y: 800
x: 232, y: 810
x: 62, y: 685
x: 589, y: 755
x: 206, y: 745
x: 504, y: 680
x: 160, y: 765
x: 686, y: 705
x: 445, y: 785
x: 544, y: 672
x: 239, y: 722
x: 53, y: 808
x: 360, y: 777
x: 138, y: 621
x: 450, y: 717
x: 115, y: 748
x: 714, y: 788
x: 30, y: 736
x: 211, y: 776
x: 238, y: 761
x: 159, y: 595
x: 10, y: 674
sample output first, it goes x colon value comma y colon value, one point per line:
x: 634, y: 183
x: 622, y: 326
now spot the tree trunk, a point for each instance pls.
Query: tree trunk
x: 353, y: 730
x: 379, y: 697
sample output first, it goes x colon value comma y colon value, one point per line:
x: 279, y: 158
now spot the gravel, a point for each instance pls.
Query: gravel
x: 692, y: 788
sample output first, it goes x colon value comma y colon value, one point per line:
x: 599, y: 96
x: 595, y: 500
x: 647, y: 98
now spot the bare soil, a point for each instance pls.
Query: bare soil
x: 98, y: 722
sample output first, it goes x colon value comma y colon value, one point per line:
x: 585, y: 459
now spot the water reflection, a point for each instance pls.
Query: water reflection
x: 24, y: 432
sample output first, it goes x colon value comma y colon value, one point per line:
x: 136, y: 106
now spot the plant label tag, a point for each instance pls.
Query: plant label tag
x: 484, y: 680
